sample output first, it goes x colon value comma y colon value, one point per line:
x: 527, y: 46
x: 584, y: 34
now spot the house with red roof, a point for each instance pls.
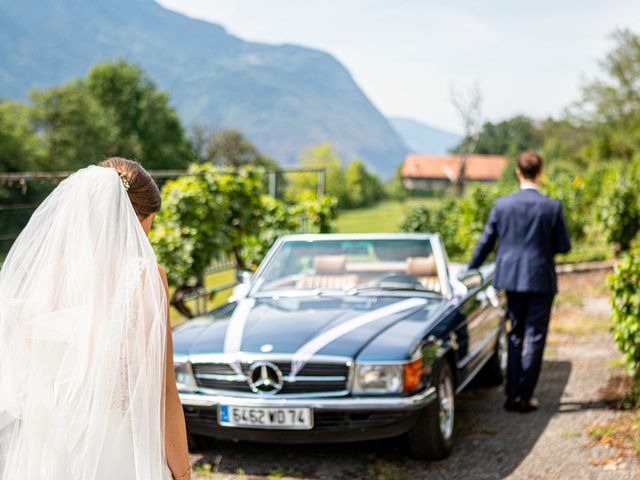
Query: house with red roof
x: 422, y: 172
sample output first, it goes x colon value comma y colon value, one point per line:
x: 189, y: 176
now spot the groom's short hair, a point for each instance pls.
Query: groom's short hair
x: 530, y: 164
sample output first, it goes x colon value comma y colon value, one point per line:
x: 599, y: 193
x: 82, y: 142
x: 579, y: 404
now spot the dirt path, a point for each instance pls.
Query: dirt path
x: 551, y: 443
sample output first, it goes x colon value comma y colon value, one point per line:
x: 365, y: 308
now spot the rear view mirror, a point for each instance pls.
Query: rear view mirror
x: 244, y: 276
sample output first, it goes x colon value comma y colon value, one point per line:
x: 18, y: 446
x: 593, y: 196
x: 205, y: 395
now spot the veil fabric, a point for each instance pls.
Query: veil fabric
x: 82, y: 340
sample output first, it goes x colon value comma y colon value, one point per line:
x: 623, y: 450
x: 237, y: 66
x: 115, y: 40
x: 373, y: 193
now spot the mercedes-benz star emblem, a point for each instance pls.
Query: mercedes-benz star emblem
x: 265, y: 378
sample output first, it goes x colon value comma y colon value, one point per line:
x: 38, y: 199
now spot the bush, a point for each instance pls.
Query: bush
x: 278, y: 218
x: 213, y: 212
x: 620, y: 213
x: 317, y: 214
x: 459, y: 221
x: 625, y: 299
x: 573, y: 193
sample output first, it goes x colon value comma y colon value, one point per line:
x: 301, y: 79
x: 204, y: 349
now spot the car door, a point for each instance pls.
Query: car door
x: 476, y: 333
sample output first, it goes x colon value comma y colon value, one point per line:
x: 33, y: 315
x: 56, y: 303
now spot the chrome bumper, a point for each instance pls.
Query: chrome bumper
x: 413, y: 402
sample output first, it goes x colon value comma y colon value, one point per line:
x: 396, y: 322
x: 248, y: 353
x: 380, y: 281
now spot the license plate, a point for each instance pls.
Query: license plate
x: 295, y: 418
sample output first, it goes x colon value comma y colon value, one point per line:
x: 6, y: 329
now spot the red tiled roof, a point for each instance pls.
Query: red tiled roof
x: 479, y: 167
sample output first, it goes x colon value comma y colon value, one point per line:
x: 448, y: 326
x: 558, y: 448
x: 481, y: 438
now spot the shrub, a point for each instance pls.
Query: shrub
x: 215, y: 212
x: 625, y: 299
x: 619, y: 213
x: 458, y: 221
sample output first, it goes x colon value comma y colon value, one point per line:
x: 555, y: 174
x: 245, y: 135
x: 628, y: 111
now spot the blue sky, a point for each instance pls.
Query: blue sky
x: 407, y: 55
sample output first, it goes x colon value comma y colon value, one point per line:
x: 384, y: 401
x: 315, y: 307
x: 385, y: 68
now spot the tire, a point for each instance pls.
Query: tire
x: 431, y: 438
x: 495, y: 370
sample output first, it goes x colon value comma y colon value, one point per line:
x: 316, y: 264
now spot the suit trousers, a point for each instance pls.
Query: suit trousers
x: 529, y: 313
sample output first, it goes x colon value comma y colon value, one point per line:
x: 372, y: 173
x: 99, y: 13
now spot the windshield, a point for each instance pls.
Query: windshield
x: 351, y: 265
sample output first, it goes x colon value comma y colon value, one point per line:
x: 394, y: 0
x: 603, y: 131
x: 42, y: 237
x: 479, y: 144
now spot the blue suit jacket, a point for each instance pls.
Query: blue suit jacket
x: 530, y: 229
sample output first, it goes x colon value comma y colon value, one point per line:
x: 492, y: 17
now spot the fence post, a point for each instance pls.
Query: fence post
x: 321, y: 181
x: 273, y: 183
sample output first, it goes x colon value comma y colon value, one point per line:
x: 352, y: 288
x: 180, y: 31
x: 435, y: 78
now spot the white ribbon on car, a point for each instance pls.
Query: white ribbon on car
x: 309, y: 349
x: 235, y: 332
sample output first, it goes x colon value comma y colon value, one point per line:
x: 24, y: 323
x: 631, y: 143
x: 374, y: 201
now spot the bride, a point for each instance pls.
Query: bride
x: 87, y: 388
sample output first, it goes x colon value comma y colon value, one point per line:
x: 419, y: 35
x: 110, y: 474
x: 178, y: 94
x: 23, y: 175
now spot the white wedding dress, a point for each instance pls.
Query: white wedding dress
x: 82, y: 340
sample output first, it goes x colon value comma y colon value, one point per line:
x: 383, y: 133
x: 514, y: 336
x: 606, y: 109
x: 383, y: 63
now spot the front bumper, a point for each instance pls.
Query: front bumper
x: 335, y: 419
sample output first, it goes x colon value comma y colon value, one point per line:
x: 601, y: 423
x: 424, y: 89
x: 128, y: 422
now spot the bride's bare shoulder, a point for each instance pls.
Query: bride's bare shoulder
x: 163, y: 275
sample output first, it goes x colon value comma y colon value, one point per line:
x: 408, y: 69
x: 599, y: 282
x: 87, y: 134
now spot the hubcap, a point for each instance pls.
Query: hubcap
x: 445, y: 395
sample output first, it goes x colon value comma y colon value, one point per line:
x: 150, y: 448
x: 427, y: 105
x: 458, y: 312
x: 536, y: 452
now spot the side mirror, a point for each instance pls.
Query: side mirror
x: 470, y: 278
x: 244, y: 276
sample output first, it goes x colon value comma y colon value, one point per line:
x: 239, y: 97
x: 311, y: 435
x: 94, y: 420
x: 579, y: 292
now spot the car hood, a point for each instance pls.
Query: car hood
x: 340, y: 326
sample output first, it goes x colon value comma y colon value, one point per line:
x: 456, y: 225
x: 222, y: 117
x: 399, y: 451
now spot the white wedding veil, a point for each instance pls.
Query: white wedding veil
x: 82, y: 340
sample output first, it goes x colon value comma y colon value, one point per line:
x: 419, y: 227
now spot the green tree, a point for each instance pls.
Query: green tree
x: 353, y: 186
x: 364, y: 187
x: 145, y: 126
x: 320, y: 157
x: 72, y: 125
x: 508, y: 137
x: 612, y: 103
x: 565, y: 143
x: 20, y: 147
x: 228, y: 148
x: 394, y: 187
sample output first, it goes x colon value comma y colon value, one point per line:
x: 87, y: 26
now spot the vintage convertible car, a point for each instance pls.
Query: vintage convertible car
x: 340, y: 338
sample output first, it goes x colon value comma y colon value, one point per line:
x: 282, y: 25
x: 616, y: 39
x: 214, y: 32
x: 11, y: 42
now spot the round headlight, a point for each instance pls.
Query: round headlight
x: 378, y: 379
x: 184, y: 377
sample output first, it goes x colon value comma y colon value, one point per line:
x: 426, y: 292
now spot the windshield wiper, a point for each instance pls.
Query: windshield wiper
x: 414, y: 287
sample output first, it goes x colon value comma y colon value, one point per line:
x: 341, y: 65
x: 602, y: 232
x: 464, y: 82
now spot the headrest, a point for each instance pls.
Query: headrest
x: 329, y: 264
x: 421, y: 266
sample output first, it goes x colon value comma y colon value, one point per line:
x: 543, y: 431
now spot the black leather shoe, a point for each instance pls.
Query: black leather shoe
x: 512, y: 404
x: 528, y: 406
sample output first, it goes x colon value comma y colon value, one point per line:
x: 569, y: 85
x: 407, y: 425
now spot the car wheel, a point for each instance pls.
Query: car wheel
x: 495, y: 370
x: 432, y: 436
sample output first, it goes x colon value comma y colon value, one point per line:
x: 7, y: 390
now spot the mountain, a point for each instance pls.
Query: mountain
x: 284, y: 97
x: 421, y: 138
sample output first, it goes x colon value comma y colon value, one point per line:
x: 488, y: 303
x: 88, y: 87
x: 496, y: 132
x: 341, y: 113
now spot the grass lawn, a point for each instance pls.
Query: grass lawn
x: 384, y: 217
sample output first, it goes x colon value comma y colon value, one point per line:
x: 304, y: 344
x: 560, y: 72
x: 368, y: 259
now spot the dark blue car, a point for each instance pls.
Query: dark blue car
x: 343, y: 337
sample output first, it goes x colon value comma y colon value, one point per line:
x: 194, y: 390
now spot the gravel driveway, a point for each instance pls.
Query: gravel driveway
x: 551, y: 443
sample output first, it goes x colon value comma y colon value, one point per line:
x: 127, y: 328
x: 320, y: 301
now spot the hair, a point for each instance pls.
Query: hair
x: 143, y: 192
x: 530, y: 164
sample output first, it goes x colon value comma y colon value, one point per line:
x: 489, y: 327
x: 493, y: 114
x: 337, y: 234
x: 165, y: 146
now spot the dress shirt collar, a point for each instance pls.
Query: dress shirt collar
x: 529, y: 186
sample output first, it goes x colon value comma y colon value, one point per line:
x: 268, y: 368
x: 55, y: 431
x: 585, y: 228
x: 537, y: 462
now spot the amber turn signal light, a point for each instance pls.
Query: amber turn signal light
x: 413, y: 375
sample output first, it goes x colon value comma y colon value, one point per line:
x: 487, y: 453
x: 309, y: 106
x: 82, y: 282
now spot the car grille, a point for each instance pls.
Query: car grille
x: 314, y: 378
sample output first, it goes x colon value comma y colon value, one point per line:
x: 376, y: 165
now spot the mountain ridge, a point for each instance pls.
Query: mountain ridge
x: 284, y: 97
x: 423, y: 138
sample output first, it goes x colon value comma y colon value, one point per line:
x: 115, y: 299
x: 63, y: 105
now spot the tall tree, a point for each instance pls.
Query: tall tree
x: 20, y: 148
x: 508, y: 137
x: 364, y: 187
x: 612, y: 103
x: 73, y: 126
x: 319, y: 157
x: 228, y: 148
x: 146, y: 126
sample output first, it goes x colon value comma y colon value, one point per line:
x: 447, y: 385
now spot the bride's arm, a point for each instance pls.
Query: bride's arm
x: 175, y: 430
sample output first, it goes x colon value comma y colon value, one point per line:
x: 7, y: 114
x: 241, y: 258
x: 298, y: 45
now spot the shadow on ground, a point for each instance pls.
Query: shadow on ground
x: 490, y: 443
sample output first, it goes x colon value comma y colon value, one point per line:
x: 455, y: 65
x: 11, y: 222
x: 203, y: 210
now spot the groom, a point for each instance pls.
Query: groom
x: 530, y: 229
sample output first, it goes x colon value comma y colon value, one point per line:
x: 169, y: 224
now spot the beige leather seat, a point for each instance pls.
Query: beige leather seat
x: 425, y: 271
x: 329, y: 271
